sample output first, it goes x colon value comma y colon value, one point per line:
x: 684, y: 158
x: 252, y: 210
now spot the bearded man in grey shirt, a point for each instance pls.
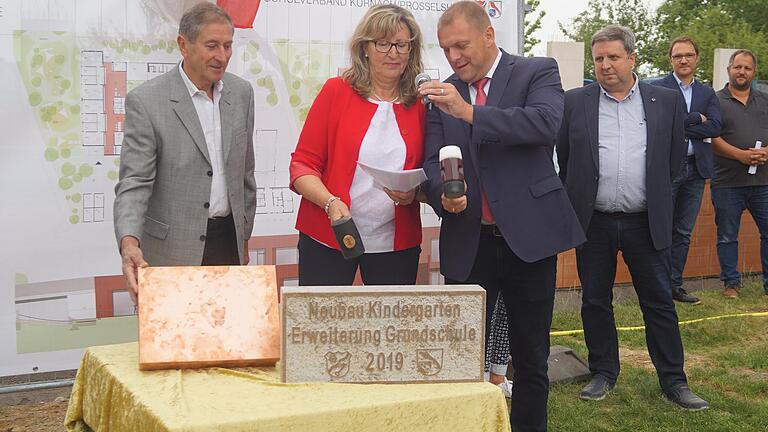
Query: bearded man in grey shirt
x: 740, y: 180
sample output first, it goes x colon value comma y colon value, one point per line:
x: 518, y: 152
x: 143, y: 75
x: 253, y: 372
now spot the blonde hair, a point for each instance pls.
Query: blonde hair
x: 378, y: 23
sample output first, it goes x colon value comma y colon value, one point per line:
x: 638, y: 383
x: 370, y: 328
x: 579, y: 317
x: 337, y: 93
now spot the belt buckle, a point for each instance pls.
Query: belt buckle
x: 494, y: 230
x: 497, y: 231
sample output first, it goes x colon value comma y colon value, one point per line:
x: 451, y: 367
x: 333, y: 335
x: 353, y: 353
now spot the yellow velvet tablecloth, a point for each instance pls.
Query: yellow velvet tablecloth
x: 111, y: 394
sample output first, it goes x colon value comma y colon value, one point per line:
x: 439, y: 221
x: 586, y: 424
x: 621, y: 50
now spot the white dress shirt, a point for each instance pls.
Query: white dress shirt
x: 210, y: 121
x: 487, y: 86
x: 688, y: 96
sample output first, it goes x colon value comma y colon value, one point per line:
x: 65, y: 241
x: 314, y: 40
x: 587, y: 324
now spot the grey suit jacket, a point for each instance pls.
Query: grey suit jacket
x: 165, y: 169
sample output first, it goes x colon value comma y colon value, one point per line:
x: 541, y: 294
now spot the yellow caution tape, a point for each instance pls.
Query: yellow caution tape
x: 748, y: 314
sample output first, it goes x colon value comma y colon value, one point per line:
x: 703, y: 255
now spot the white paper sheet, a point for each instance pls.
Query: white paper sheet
x: 753, y: 168
x: 401, y: 181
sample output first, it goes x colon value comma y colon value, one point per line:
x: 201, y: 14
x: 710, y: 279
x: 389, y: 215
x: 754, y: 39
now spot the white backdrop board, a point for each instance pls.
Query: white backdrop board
x: 65, y: 67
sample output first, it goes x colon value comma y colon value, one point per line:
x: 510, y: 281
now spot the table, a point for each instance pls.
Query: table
x: 111, y: 394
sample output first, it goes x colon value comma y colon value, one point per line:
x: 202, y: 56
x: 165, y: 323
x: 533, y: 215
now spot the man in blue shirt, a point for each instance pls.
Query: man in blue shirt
x: 620, y: 145
x: 701, y: 125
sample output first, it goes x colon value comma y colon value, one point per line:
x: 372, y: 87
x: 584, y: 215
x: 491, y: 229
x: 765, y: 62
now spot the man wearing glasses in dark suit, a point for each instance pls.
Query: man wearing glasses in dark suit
x: 702, y: 123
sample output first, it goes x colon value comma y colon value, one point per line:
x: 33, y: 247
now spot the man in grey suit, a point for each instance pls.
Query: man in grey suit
x: 187, y: 192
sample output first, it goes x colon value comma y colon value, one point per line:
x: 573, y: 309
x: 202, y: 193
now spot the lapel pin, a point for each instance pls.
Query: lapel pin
x: 653, y: 99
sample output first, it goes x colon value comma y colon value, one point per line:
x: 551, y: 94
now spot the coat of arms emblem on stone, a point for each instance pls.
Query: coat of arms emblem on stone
x: 337, y: 363
x: 429, y: 361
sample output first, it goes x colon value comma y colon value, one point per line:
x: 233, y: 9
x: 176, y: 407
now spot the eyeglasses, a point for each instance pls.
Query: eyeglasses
x: 679, y: 57
x: 383, y: 46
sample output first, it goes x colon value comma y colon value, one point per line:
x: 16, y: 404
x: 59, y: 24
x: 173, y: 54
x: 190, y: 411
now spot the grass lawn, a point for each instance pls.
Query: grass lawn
x: 726, y: 362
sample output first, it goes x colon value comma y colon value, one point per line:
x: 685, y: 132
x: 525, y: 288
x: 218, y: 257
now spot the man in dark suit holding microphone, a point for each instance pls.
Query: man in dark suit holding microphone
x: 503, y: 112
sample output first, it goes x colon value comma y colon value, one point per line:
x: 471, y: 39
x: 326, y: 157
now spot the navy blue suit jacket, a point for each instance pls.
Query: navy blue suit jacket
x: 508, y: 150
x: 703, y: 101
x: 578, y: 154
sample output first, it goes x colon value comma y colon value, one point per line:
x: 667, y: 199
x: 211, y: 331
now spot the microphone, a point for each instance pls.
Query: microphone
x: 452, y: 171
x: 421, y: 79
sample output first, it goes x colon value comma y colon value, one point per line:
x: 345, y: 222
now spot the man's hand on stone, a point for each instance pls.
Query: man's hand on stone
x: 133, y: 258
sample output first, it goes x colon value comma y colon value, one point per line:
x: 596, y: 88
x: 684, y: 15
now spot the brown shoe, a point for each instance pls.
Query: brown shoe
x: 731, y: 292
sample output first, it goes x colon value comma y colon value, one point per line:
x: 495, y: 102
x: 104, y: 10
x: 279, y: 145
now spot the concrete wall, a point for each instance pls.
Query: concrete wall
x: 570, y: 58
x: 719, y: 72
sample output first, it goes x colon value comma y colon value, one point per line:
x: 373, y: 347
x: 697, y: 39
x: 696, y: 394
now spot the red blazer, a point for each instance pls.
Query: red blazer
x: 329, y: 144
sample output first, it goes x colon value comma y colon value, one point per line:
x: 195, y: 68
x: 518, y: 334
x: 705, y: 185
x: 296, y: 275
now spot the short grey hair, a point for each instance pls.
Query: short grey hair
x: 745, y: 52
x: 616, y: 33
x: 200, y: 14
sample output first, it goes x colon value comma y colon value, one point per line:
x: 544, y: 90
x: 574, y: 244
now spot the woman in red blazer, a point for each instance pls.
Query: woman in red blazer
x: 370, y: 114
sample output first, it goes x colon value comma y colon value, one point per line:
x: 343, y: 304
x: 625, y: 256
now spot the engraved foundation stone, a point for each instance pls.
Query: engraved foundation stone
x: 208, y: 316
x: 392, y: 334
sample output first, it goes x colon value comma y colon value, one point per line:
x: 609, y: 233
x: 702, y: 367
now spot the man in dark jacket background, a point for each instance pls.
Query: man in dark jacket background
x: 701, y: 125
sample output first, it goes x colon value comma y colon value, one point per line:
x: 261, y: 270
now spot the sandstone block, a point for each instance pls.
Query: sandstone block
x: 208, y: 316
x: 385, y: 334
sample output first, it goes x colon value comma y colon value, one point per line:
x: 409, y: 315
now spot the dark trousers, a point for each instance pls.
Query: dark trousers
x: 650, y: 270
x: 221, y: 246
x: 321, y: 265
x: 687, y: 193
x: 529, y: 293
x: 730, y: 203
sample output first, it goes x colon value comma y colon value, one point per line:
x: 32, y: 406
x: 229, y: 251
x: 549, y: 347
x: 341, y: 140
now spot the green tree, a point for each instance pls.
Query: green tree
x: 712, y: 24
x: 531, y: 25
x: 633, y: 14
x: 753, y: 12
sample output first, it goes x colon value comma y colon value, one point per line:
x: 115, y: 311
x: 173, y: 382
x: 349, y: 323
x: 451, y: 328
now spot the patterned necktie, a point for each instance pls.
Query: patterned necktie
x: 480, y: 99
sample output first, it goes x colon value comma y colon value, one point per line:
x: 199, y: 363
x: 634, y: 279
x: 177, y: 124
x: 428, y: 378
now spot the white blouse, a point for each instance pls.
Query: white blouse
x: 372, y: 210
